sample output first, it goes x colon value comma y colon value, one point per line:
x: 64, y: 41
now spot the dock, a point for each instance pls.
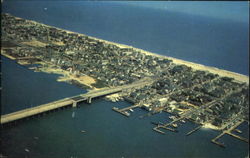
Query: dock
x: 168, y: 128
x: 124, y: 110
x: 188, y: 113
x: 238, y: 137
x: 218, y: 143
x: 193, y: 130
x: 159, y: 131
x: 229, y: 132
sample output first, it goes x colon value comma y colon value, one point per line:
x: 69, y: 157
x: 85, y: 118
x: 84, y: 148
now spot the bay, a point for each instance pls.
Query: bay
x: 107, y: 133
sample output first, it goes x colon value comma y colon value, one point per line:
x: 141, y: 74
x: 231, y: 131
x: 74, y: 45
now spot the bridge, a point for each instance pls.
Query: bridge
x: 70, y: 101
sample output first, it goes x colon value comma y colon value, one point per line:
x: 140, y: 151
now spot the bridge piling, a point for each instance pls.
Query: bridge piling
x: 67, y: 102
x: 74, y: 104
x: 89, y: 100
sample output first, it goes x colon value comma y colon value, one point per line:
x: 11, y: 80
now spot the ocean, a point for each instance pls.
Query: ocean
x: 211, y: 41
x: 207, y: 41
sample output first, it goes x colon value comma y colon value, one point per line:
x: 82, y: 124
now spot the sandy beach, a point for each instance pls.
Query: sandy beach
x: 210, y: 126
x: 195, y: 66
x: 68, y: 76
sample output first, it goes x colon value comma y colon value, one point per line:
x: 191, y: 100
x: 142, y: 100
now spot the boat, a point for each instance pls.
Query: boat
x: 183, y: 121
x: 131, y: 110
x: 174, y: 125
x: 172, y: 117
x: 155, y: 123
x: 27, y: 150
x: 127, y: 113
x: 82, y: 131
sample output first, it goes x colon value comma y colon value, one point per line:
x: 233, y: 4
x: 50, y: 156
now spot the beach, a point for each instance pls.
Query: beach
x: 88, y: 81
x: 195, y: 66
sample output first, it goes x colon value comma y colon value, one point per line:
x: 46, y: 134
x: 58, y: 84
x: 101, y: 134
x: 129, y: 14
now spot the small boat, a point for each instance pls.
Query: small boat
x: 174, y: 125
x: 131, y: 110
x: 36, y: 138
x: 172, y: 117
x: 27, y: 150
x: 183, y: 121
x: 82, y: 131
x: 127, y: 113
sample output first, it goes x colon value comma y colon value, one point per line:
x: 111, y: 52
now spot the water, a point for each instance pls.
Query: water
x: 23, y: 88
x: 108, y: 134
x: 212, y: 41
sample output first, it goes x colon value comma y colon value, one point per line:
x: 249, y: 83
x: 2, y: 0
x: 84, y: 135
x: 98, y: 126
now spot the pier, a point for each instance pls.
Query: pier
x: 229, y: 132
x: 193, y: 130
x: 124, y: 110
x: 71, y: 101
x: 188, y: 113
x: 159, y: 131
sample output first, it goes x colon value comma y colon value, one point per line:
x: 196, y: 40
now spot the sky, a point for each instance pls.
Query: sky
x: 230, y: 10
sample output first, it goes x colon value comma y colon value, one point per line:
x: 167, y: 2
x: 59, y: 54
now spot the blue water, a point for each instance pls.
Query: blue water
x: 109, y: 134
x: 212, y: 41
x: 24, y: 88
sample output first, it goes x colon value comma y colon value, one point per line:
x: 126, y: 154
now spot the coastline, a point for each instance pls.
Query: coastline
x: 196, y: 66
x: 6, y: 55
x: 80, y: 79
x: 90, y: 81
x: 65, y: 75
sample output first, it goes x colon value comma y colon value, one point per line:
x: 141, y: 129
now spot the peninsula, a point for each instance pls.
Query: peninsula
x: 212, y: 98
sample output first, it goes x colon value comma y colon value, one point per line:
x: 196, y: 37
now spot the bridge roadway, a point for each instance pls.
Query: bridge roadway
x: 70, y: 101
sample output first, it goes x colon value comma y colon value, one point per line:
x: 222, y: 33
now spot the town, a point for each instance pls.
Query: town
x: 208, y: 99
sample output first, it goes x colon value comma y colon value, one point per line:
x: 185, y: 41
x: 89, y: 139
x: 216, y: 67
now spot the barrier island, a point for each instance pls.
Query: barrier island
x: 210, y: 97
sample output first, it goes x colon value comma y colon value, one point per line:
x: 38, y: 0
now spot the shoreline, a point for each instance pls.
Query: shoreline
x: 196, y: 66
x: 83, y: 79
x: 6, y: 55
x: 65, y: 76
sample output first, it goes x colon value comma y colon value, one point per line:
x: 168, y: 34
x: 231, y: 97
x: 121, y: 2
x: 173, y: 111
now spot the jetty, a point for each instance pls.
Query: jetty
x: 71, y: 101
